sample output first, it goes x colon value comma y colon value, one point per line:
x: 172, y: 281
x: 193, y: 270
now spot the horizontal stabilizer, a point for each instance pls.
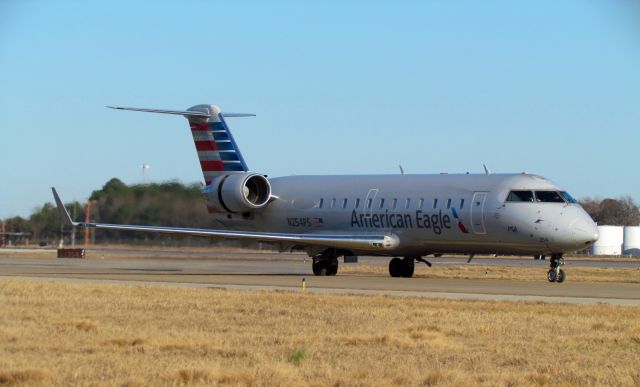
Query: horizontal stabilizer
x: 225, y: 115
x: 186, y: 113
x: 163, y: 111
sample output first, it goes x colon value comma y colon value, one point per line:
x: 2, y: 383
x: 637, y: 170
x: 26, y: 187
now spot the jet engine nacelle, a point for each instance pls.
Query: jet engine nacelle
x: 239, y: 192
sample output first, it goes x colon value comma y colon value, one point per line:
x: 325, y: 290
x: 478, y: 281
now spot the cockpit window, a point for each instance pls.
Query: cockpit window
x: 568, y: 197
x: 549, y: 197
x: 520, y: 196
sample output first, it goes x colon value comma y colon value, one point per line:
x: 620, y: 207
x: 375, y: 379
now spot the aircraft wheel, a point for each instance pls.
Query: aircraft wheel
x: 555, y: 274
x: 408, y: 267
x: 332, y: 266
x: 395, y: 267
x: 319, y: 268
x: 325, y: 267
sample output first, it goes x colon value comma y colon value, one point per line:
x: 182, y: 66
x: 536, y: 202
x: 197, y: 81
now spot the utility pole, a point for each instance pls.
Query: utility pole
x: 87, y: 211
x: 73, y: 228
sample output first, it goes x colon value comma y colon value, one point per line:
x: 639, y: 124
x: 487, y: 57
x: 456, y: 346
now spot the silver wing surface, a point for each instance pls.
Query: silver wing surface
x: 345, y: 241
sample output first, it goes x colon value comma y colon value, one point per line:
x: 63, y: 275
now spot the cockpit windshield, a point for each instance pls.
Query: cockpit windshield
x: 520, y: 196
x: 540, y: 197
x: 548, y: 197
x: 568, y: 197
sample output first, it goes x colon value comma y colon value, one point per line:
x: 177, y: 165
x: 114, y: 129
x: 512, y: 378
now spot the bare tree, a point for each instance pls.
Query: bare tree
x: 613, y: 212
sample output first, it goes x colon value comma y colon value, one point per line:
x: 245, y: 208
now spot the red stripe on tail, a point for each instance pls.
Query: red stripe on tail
x: 208, y: 166
x: 199, y: 127
x: 205, y: 145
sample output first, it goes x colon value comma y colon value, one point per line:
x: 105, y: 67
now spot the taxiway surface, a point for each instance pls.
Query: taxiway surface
x: 241, y: 270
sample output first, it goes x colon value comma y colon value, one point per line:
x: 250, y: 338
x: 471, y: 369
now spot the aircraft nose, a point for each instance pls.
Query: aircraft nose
x: 585, y: 231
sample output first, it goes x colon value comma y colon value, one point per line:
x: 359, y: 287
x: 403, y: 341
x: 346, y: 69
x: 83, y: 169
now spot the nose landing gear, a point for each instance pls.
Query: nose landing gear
x: 555, y: 274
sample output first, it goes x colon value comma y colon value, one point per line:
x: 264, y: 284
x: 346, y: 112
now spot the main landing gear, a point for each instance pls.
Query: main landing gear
x: 555, y: 274
x: 401, y: 267
x: 325, y: 263
x: 404, y: 267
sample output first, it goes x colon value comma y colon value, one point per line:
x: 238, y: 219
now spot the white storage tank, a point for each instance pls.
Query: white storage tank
x: 631, y: 245
x: 609, y: 242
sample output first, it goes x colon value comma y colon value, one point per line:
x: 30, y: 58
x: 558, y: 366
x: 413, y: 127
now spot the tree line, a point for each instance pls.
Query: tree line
x: 612, y: 212
x: 179, y: 205
x: 162, y: 204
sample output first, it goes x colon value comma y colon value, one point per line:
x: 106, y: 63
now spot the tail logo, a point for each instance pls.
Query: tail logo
x: 217, y: 151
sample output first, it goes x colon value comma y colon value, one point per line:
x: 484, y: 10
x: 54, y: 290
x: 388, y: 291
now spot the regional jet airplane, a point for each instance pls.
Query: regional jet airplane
x: 408, y: 217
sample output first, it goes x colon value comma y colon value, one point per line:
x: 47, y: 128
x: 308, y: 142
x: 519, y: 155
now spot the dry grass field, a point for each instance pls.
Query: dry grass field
x: 53, y: 333
x: 516, y: 273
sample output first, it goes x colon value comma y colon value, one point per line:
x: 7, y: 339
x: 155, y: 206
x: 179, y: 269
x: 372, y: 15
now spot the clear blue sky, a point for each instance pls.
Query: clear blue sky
x: 548, y: 87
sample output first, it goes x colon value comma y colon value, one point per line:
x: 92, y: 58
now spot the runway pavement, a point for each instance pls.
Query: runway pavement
x: 242, y: 270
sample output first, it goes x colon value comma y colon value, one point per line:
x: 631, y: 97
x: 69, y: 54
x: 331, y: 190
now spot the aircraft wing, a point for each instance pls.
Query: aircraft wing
x: 346, y: 241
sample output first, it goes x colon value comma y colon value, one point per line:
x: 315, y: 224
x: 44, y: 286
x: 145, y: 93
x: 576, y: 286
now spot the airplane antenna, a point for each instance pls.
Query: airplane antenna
x: 401, y: 170
x: 486, y: 170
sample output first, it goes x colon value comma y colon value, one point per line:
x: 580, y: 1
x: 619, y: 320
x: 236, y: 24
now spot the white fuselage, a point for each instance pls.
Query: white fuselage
x: 427, y: 214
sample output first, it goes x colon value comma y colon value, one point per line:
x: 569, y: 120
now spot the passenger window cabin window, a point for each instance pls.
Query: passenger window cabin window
x: 357, y: 203
x: 381, y: 203
x: 435, y: 203
x: 461, y: 203
x: 520, y: 196
x: 420, y: 204
x: 448, y: 203
x: 407, y: 204
x: 394, y: 203
x: 333, y: 203
x: 548, y: 197
x: 369, y: 202
x: 344, y: 202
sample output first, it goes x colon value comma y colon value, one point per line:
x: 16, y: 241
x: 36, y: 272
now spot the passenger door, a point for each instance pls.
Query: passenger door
x: 477, y: 213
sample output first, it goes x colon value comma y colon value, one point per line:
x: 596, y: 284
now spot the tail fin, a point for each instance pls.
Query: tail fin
x: 217, y: 150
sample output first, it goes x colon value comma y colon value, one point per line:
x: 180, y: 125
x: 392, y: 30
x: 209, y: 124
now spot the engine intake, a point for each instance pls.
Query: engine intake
x: 240, y: 192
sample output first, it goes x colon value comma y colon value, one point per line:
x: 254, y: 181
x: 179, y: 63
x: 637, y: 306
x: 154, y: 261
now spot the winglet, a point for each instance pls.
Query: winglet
x: 62, y: 211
